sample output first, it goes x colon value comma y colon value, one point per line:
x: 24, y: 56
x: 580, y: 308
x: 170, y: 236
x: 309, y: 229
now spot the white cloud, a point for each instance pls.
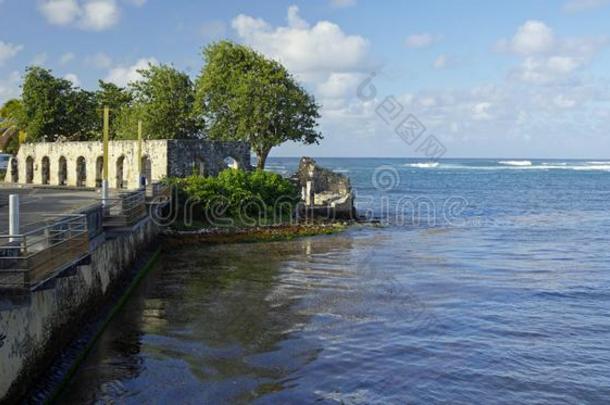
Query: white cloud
x: 123, y: 75
x: 9, y: 87
x: 73, y: 78
x: 421, y: 40
x: 311, y: 52
x: 60, y: 12
x: 546, y: 57
x: 99, y: 15
x: 213, y: 29
x: 533, y: 37
x: 92, y: 15
x: 562, y: 101
x: 574, y: 6
x: 480, y: 111
x: 66, y: 58
x: 342, y: 3
x: 100, y: 60
x: 137, y: 3
x: 8, y: 51
x: 339, y: 85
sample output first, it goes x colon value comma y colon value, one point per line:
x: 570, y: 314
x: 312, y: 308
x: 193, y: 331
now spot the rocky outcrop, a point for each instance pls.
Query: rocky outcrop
x: 324, y: 192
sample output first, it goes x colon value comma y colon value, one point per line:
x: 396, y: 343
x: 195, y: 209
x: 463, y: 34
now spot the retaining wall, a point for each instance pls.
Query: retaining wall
x: 35, y: 327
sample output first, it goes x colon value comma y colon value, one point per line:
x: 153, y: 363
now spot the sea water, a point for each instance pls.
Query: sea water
x: 486, y: 281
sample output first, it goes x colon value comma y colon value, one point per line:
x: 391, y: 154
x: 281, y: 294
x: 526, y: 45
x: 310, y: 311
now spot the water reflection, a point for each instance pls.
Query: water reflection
x: 217, y: 323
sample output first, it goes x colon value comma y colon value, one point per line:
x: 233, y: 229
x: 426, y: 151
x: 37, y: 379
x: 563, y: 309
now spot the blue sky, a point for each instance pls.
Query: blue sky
x: 487, y: 79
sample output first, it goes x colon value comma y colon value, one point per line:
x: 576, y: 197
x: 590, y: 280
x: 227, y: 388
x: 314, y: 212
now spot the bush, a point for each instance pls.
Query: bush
x: 248, y: 198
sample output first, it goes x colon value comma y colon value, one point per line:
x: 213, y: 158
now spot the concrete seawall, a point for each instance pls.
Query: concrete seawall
x: 35, y: 327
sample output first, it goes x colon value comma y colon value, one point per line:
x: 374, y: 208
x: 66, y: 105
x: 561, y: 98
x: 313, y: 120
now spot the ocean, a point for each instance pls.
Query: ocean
x: 485, y: 281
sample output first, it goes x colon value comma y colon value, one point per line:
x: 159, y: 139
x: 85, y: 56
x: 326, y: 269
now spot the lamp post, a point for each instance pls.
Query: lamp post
x: 142, y: 179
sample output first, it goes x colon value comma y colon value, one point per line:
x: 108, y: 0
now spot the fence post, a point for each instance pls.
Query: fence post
x: 13, y: 208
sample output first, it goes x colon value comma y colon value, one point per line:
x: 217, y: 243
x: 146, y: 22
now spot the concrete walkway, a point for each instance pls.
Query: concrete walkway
x: 38, y: 202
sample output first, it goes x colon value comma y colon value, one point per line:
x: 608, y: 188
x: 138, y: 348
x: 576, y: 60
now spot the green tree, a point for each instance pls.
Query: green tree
x: 117, y: 99
x: 163, y: 100
x: 242, y: 95
x: 52, y: 107
x: 82, y: 121
x: 11, y: 116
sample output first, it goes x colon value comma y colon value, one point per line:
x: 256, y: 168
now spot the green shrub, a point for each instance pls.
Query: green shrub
x: 253, y: 198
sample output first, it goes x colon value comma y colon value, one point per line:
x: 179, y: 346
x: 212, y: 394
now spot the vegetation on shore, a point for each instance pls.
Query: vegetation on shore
x: 234, y: 198
x: 238, y: 95
x: 269, y: 233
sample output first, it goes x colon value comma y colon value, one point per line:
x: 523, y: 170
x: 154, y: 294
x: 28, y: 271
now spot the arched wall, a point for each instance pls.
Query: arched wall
x: 167, y: 157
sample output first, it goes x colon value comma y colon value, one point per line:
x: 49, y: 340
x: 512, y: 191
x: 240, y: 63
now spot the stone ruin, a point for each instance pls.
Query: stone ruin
x: 325, y: 194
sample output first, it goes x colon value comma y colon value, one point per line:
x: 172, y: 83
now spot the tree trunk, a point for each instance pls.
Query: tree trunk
x: 261, y: 158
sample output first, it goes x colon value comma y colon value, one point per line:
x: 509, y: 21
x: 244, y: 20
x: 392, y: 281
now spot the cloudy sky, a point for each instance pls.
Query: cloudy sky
x: 487, y: 79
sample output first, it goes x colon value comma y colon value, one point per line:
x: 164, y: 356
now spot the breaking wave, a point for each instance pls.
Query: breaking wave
x: 515, y: 162
x: 423, y: 165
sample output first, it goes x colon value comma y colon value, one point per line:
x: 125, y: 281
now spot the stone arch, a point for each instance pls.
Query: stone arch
x: 14, y: 170
x: 146, y: 169
x: 231, y: 163
x: 99, y: 171
x: 62, y: 171
x: 29, y: 170
x: 120, y: 172
x: 81, y: 172
x: 45, y: 170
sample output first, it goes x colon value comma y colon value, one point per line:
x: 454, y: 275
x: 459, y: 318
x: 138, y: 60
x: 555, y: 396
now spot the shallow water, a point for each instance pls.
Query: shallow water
x: 502, y: 300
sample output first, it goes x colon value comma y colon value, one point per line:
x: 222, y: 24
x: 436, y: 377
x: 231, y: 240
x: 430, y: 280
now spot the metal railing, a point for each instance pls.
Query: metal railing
x: 126, y: 209
x: 157, y: 192
x: 30, y: 258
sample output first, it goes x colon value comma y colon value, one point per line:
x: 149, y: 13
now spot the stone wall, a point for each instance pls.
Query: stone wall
x: 155, y: 150
x: 205, y: 157
x: 42, y: 163
x: 35, y: 327
x: 324, y: 192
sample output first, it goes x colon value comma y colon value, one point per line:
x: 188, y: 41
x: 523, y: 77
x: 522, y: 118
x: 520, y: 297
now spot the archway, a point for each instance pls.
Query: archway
x: 120, y: 178
x: 147, y: 169
x: 199, y: 167
x: 45, y: 170
x: 81, y: 172
x: 231, y: 163
x: 62, y: 171
x: 29, y: 170
x: 99, y: 171
x: 14, y: 170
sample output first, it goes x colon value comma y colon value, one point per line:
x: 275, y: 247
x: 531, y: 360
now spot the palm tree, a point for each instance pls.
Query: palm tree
x: 11, y: 114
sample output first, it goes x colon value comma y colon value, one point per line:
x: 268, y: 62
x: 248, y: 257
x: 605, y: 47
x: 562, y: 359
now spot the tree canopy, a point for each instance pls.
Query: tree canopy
x: 163, y: 99
x: 53, y: 107
x: 242, y: 95
x: 239, y: 95
x: 117, y: 99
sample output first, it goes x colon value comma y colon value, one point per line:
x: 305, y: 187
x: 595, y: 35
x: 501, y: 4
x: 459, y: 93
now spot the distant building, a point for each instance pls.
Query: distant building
x: 80, y: 164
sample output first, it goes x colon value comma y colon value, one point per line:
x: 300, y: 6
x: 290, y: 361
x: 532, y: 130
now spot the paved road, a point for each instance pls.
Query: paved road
x: 37, y: 202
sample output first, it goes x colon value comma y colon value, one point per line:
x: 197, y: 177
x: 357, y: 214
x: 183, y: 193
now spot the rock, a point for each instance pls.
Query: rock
x: 324, y: 192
